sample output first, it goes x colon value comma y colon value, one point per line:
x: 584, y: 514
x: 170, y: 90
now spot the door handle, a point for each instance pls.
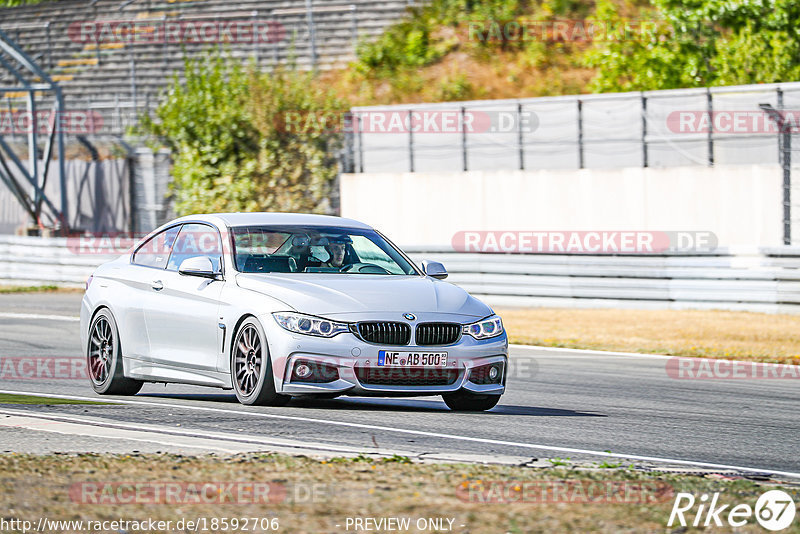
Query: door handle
x: 158, y: 285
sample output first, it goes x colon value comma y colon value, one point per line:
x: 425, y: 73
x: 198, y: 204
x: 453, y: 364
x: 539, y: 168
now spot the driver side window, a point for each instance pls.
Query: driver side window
x: 155, y: 251
x: 196, y: 240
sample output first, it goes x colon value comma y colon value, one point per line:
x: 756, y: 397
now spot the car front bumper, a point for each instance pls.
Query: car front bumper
x: 350, y: 355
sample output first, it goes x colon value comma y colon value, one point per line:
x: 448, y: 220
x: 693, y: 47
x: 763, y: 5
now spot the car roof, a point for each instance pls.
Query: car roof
x: 269, y: 218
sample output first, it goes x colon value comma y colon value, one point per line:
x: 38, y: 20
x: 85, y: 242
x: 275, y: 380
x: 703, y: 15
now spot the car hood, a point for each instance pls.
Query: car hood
x: 355, y: 297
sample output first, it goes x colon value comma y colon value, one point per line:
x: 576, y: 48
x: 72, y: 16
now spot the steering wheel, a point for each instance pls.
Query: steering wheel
x: 363, y: 268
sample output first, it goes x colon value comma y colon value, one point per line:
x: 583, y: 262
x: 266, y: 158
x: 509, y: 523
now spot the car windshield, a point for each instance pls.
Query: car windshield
x: 316, y: 249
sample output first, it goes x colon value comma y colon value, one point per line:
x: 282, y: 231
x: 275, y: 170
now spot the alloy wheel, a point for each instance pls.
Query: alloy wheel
x: 101, y: 351
x: 247, y: 360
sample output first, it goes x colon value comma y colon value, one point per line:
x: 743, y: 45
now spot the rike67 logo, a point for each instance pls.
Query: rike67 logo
x: 774, y: 510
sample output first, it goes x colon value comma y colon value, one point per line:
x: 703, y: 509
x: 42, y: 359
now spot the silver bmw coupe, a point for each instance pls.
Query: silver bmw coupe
x: 276, y: 305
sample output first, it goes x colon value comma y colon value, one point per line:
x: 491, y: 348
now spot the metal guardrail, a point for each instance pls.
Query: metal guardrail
x: 45, y: 261
x: 766, y: 280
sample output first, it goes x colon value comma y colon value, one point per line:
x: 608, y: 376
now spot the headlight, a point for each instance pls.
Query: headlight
x: 309, y: 325
x: 491, y: 327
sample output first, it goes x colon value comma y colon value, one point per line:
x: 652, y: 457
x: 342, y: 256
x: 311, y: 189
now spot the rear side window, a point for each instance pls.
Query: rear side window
x: 155, y: 251
x: 196, y: 240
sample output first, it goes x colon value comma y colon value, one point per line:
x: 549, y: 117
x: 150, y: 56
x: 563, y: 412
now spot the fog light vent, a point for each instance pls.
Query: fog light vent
x: 314, y: 372
x: 487, y: 374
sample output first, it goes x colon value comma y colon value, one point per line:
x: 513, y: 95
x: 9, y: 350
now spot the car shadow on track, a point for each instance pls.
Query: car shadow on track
x: 416, y: 405
x: 382, y: 404
x: 229, y: 398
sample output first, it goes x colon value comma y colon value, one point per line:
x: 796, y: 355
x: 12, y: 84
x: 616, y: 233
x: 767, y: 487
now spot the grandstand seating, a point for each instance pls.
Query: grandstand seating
x: 110, y: 76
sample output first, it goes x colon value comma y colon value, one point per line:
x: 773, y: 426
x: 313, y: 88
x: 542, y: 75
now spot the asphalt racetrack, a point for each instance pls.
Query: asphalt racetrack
x: 559, y: 404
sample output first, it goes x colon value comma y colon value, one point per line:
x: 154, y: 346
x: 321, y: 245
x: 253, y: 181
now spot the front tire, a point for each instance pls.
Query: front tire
x: 462, y: 401
x: 251, y: 367
x: 104, y: 358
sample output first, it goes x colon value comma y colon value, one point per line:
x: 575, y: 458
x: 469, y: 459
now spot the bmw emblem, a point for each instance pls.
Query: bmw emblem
x: 409, y: 316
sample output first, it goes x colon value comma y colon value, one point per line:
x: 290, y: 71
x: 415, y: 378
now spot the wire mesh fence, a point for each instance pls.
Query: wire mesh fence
x: 738, y: 125
x: 716, y: 126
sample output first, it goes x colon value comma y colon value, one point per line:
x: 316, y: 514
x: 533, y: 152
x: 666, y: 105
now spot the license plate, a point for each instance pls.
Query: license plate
x: 388, y: 358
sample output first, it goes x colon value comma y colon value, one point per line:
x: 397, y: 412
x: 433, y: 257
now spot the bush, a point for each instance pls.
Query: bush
x: 224, y: 125
x: 703, y: 43
x: 406, y: 44
x: 419, y: 40
x: 15, y: 3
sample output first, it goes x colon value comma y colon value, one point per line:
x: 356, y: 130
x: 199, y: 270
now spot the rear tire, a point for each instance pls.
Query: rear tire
x: 462, y: 401
x: 104, y: 358
x: 251, y: 367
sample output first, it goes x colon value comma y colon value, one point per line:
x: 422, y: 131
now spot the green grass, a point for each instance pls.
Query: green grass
x: 15, y: 3
x: 48, y: 288
x: 28, y: 289
x: 9, y: 398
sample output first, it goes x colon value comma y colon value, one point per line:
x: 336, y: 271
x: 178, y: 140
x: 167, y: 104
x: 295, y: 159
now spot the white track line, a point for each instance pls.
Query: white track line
x: 63, y: 426
x: 76, y: 425
x: 9, y: 315
x: 590, y: 352
x: 571, y: 450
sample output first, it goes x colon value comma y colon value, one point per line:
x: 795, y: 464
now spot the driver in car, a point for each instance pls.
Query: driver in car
x: 336, y: 249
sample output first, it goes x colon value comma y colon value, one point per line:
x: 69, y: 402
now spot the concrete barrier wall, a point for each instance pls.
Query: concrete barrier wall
x: 741, y: 204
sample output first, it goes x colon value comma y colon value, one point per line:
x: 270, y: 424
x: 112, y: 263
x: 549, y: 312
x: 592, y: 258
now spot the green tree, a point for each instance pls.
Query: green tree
x: 232, y: 147
x: 702, y: 43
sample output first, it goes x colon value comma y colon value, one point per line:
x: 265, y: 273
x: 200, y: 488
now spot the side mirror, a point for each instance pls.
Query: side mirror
x: 201, y: 266
x: 434, y: 269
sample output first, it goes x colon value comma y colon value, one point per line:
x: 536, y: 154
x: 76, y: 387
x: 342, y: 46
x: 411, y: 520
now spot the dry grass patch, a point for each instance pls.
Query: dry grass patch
x: 707, y: 334
x: 460, y: 76
x: 319, y: 495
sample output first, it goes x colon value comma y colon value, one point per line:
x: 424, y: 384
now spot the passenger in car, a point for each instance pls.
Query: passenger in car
x: 301, y: 252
